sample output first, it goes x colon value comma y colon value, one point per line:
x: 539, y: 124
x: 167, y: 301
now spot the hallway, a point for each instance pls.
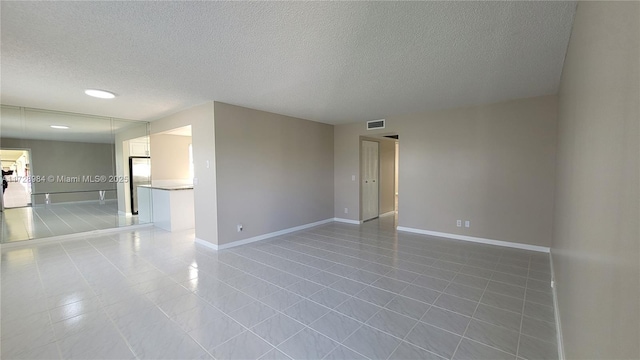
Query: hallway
x: 17, y: 194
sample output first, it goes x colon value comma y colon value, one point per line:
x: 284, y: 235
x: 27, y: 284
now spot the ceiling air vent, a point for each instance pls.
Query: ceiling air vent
x: 375, y: 124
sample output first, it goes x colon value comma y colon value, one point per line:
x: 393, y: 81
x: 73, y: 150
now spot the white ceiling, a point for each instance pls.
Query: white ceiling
x: 11, y: 155
x: 332, y: 62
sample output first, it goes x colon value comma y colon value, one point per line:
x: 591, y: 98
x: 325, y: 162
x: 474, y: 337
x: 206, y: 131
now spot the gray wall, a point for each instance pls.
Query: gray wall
x: 493, y: 165
x: 63, y: 158
x: 596, y: 251
x: 273, y: 172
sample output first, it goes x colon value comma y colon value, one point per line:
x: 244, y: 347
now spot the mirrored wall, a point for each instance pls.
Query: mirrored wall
x: 67, y: 173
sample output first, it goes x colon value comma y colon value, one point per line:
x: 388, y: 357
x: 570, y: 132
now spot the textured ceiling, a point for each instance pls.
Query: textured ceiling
x: 332, y: 62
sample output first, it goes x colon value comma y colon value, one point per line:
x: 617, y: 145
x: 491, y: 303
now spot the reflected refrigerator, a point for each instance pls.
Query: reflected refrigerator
x: 139, y: 174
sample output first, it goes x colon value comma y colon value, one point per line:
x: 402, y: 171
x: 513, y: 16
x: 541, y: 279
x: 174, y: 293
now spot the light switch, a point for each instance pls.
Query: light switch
x: 353, y: 178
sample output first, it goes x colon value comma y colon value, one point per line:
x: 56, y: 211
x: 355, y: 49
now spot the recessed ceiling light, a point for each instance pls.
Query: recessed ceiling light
x: 59, y: 127
x: 102, y: 94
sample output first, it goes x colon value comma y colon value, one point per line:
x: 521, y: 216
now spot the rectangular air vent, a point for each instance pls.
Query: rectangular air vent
x: 375, y: 124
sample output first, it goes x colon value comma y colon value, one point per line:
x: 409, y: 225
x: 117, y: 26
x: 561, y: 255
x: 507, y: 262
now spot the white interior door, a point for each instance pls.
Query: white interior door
x: 369, y: 178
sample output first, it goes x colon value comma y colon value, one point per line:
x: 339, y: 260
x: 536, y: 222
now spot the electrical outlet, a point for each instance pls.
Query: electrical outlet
x: 459, y: 223
x: 239, y: 227
x: 346, y: 210
x: 467, y: 223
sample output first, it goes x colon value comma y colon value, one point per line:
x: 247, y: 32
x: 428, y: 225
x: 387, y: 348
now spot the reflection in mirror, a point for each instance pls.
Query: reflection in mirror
x: 66, y: 173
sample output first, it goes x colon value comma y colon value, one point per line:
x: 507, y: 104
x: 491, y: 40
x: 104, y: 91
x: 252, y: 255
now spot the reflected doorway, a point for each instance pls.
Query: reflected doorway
x: 16, y: 175
x: 139, y: 174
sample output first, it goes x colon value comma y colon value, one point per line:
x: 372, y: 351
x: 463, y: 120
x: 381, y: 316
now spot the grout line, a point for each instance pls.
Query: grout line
x: 524, y: 303
x: 43, y: 222
x: 102, y: 305
x: 55, y: 337
x: 473, y: 315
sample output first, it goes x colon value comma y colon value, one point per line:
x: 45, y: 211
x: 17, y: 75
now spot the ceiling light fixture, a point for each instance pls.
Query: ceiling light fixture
x: 102, y: 94
x: 59, y: 127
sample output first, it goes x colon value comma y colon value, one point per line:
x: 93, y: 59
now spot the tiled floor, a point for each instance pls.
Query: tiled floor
x: 17, y: 194
x: 336, y: 291
x: 60, y: 219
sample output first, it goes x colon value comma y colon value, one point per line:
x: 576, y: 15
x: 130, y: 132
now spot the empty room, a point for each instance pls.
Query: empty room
x: 320, y: 180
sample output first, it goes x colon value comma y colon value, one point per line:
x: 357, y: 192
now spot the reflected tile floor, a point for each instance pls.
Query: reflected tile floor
x: 26, y: 223
x: 16, y: 194
x: 335, y: 291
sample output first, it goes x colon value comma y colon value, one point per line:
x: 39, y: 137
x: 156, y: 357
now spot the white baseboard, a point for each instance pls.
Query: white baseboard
x: 556, y: 309
x: 205, y: 243
x: 122, y: 213
x: 260, y: 237
x: 62, y: 238
x: 392, y: 212
x: 543, y: 249
x: 347, y: 221
x: 73, y: 202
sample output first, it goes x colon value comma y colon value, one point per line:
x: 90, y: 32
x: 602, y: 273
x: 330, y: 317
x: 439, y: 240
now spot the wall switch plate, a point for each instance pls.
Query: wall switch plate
x: 239, y: 227
x: 346, y: 210
x: 459, y: 223
x: 467, y: 223
x: 353, y: 178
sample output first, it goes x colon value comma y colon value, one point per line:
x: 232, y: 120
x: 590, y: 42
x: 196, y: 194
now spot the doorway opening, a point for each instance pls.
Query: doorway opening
x: 379, y: 167
x: 173, y: 175
x: 139, y: 175
x: 16, y: 178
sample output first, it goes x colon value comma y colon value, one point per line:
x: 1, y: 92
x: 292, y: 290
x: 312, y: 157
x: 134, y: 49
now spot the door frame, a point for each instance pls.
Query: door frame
x: 379, y: 138
x: 28, y: 150
x: 364, y: 138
